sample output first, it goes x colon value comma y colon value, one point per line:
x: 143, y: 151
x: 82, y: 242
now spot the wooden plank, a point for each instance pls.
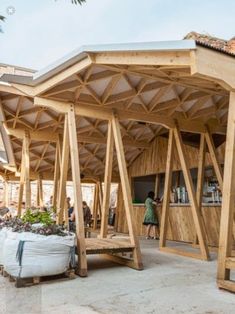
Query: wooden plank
x: 182, y: 252
x: 107, y: 182
x: 228, y: 201
x: 226, y: 285
x: 192, y: 197
x: 167, y: 187
x: 76, y: 175
x: 121, y: 260
x: 126, y: 191
x: 27, y: 171
x: 214, y: 158
x: 63, y: 172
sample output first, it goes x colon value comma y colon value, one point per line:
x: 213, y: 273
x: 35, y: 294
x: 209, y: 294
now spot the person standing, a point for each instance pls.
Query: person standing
x: 150, y: 217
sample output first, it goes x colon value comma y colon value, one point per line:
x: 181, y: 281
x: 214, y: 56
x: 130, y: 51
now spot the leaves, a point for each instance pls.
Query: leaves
x: 37, y: 217
x: 78, y: 1
x: 27, y: 224
x: 2, y: 19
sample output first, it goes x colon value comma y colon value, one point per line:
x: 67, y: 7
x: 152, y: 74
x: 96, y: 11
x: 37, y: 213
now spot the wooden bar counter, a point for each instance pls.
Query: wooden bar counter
x: 180, y: 225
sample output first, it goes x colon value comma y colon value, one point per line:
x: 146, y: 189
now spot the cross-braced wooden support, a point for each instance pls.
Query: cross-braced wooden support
x: 63, y: 173
x: 115, y: 139
x: 76, y: 175
x: 174, y: 135
x: 206, y: 139
x: 107, y: 182
x: 97, y: 205
x: 137, y: 260
x: 225, y: 260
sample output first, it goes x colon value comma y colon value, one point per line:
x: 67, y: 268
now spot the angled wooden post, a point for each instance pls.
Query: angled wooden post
x: 21, y: 186
x: 95, y: 206
x: 39, y: 197
x: 197, y: 217
x: 27, y: 171
x: 107, y: 182
x: 75, y: 166
x: 167, y: 188
x: 100, y: 202
x: 126, y: 192
x: 228, y: 201
x: 6, y: 193
x: 200, y: 176
x: 214, y: 158
x: 63, y: 172
x: 56, y: 176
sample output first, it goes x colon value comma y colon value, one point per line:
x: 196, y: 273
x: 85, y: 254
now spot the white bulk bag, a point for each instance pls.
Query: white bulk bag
x: 41, y: 255
x: 3, y: 235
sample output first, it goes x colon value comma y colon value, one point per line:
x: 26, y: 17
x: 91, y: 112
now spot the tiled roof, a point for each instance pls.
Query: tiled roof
x: 222, y: 45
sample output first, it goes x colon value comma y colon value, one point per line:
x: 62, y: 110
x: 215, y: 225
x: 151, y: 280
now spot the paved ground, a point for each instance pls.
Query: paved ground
x: 169, y: 284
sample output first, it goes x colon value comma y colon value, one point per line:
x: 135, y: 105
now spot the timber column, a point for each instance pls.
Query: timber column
x: 225, y: 261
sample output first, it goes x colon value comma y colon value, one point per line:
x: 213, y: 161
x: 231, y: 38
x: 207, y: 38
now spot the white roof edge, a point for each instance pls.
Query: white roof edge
x: 80, y: 53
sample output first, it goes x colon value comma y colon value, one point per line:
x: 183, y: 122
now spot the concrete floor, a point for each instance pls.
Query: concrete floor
x: 169, y: 284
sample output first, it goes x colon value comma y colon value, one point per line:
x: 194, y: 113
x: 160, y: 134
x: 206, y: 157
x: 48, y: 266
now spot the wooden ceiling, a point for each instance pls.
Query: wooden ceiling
x: 168, y: 91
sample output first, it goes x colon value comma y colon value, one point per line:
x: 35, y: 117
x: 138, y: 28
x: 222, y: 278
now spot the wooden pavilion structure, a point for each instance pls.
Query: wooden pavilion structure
x: 95, y: 111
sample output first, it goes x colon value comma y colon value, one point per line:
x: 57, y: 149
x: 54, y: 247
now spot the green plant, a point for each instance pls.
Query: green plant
x: 37, y: 217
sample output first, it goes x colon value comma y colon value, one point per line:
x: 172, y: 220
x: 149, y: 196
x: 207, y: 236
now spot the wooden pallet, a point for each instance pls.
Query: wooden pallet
x: 26, y: 282
x: 102, y: 246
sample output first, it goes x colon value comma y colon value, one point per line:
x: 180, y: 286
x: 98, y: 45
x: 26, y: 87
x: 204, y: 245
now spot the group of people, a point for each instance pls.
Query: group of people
x: 150, y: 217
x: 86, y: 212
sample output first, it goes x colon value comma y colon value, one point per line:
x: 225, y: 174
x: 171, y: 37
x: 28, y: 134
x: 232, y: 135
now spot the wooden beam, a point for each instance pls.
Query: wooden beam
x: 6, y: 193
x: 107, y: 182
x: 56, y: 176
x: 63, y: 172
x: 200, y: 175
x: 213, y: 65
x: 95, y: 206
x: 181, y: 58
x: 228, y: 201
x: 78, y: 209
x: 40, y: 191
x: 157, y: 184
x: 27, y: 171
x: 167, y: 188
x: 100, y: 198
x: 214, y: 158
x: 61, y: 76
x: 34, y: 135
x: 99, y: 112
x: 126, y: 192
x: 22, y: 179
x: 197, y: 217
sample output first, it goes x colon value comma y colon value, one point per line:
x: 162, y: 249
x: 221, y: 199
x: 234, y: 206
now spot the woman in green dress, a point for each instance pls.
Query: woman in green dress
x: 150, y: 217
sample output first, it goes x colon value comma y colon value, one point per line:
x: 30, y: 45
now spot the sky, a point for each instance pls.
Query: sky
x: 38, y: 32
